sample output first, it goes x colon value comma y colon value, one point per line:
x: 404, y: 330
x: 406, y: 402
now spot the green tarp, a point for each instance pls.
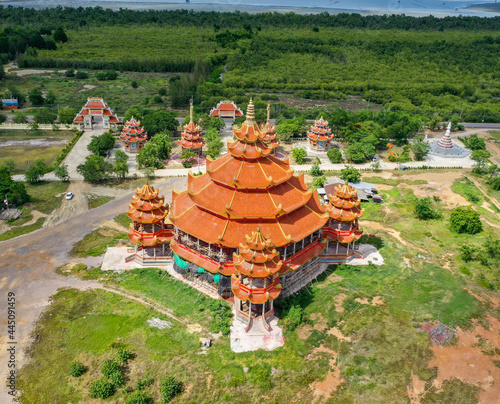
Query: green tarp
x: 201, y: 270
x: 180, y: 262
x: 216, y: 278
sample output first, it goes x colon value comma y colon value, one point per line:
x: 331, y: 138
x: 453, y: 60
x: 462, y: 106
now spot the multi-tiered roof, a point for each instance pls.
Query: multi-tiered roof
x: 96, y: 107
x: 191, y: 136
x: 246, y: 188
x: 257, y: 259
x: 133, y: 135
x: 344, y: 211
x: 227, y: 109
x: 320, y: 132
x: 270, y: 130
x: 148, y: 212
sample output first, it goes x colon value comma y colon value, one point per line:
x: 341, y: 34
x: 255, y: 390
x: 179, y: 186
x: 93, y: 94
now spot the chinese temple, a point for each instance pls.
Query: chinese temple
x: 133, y: 136
x: 191, y: 136
x: 270, y: 131
x: 226, y: 109
x: 320, y: 135
x: 248, y: 229
x: 96, y: 107
x: 342, y: 229
x: 151, y: 231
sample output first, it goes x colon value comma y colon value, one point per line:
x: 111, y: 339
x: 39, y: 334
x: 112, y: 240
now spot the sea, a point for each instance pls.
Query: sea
x: 438, y: 8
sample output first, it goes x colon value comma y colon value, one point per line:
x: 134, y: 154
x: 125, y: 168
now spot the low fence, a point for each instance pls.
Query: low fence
x: 41, y: 126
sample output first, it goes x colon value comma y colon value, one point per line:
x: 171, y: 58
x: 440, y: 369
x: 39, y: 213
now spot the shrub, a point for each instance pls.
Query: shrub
x: 69, y: 73
x: 101, y: 389
x: 260, y: 375
x: 123, y: 355
x: 299, y: 154
x: 76, y: 369
x: 293, y: 317
x: 349, y: 173
x: 424, y: 209
x: 335, y: 156
x: 496, y: 184
x: 134, y: 84
x: 117, y: 378
x: 81, y: 75
x: 162, y: 91
x: 137, y: 397
x: 169, y: 388
x: 464, y: 219
x: 141, y: 384
x: 315, y: 170
x: 109, y: 366
x: 157, y: 99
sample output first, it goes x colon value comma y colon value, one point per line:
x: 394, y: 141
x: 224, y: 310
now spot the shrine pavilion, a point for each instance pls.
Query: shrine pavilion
x: 248, y: 229
x: 133, y: 136
x: 226, y: 109
x: 270, y: 131
x: 320, y: 135
x: 96, y: 107
x: 191, y: 137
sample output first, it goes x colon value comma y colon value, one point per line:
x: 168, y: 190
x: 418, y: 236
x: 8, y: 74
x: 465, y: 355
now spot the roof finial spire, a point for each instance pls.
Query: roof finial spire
x: 250, y: 119
x: 268, y: 112
x: 191, y: 110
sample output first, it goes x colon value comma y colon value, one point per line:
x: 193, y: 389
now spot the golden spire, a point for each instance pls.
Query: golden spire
x: 250, y: 118
x: 268, y: 112
x: 191, y: 111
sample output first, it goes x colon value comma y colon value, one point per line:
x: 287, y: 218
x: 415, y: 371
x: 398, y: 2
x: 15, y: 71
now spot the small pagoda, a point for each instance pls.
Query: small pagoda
x: 191, y: 136
x: 133, y: 136
x: 342, y: 230
x: 320, y: 135
x: 151, y: 230
x: 444, y: 147
x: 226, y: 109
x: 96, y: 107
x: 270, y: 131
x: 256, y: 283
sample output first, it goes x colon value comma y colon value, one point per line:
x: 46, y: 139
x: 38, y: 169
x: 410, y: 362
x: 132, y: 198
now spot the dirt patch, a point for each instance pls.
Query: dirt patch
x: 305, y: 331
x: 194, y: 328
x: 320, y: 323
x: 333, y: 278
x: 333, y: 379
x: 376, y: 301
x: 335, y: 331
x: 416, y: 389
x: 87, y: 87
x: 468, y: 362
x: 339, y: 300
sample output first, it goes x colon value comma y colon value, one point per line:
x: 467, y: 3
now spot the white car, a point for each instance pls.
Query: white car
x: 69, y: 195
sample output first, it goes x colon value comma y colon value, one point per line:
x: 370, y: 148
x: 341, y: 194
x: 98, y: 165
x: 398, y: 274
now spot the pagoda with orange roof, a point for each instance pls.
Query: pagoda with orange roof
x: 258, y: 267
x: 246, y: 189
x: 151, y: 230
x: 96, y: 107
x: 320, y: 135
x: 133, y: 136
x: 343, y: 227
x: 192, y: 137
x: 270, y: 131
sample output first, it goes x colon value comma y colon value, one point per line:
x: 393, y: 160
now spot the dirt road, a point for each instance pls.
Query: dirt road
x: 27, y: 266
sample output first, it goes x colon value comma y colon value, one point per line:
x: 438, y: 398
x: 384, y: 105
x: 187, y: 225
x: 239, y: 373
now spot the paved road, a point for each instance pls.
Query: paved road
x: 27, y: 266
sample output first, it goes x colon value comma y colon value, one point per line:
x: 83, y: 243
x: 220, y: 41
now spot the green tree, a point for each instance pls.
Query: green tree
x: 61, y: 172
x: 464, y: 219
x: 481, y: 157
x: 45, y: 116
x: 66, y: 115
x: 334, y: 155
x: 474, y: 142
x: 299, y: 154
x: 60, y: 35
x: 169, y: 388
x: 35, y: 171
x: 164, y: 142
x: 319, y: 182
x: 101, y: 389
x: 350, y: 174
x: 10, y: 164
x: 50, y: 98
x: 492, y: 247
x: 101, y: 145
x: 95, y: 169
x: 289, y: 128
x: 121, y: 166
x: 213, y: 122
x: 36, y: 97
x: 14, y: 192
x: 156, y: 121
x: 424, y: 209
x: 316, y: 170
x: 147, y: 156
x: 19, y: 118
x: 420, y: 148
x: 187, y: 157
x: 455, y: 120
x: 434, y: 122
x: 81, y: 75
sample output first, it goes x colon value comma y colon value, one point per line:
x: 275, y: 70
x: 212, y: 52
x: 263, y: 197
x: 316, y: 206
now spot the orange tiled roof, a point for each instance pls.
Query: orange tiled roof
x: 255, y: 295
x: 270, y: 130
x: 320, y: 131
x: 133, y: 132
x: 191, y: 136
x: 146, y: 206
x: 226, y: 105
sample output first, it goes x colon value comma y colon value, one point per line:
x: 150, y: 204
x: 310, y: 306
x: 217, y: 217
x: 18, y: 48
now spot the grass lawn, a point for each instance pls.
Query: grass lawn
x: 377, y: 346
x: 97, y: 200
x: 97, y: 241
x: 26, y: 153
x: 20, y: 230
